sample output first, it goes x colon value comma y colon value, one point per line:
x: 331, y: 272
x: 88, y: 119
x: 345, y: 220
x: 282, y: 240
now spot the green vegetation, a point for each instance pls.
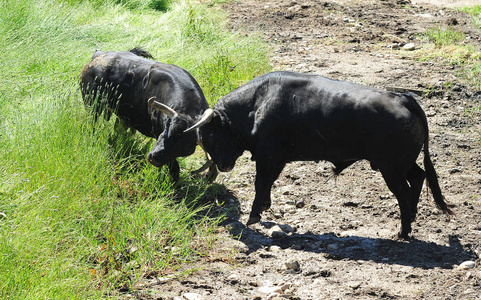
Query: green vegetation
x: 81, y: 212
x: 454, y: 48
x: 475, y: 12
x: 444, y: 37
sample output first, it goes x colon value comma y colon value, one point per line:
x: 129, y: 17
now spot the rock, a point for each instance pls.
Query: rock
x: 270, y: 289
x: 286, y: 228
x: 273, y: 295
x: 285, y: 286
x: 300, y: 204
x: 455, y: 170
x: 275, y: 249
x: 276, y: 232
x: 192, y: 296
x: 354, y: 284
x: 409, y: 47
x: 293, y: 265
x: 467, y: 265
x: 296, y: 247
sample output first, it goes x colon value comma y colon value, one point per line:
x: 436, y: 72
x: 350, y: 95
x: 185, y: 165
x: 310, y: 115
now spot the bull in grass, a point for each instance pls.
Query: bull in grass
x: 127, y: 83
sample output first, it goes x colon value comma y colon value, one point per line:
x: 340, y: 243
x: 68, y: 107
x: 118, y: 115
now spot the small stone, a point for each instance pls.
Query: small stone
x: 409, y: 47
x: 192, y: 296
x: 275, y: 248
x: 233, y: 278
x: 287, y: 228
x: 467, y: 265
x: 276, y: 231
x: 277, y: 215
x: 296, y: 247
x: 164, y: 279
x: 293, y: 265
x: 455, y: 170
x: 272, y: 296
x: 300, y: 204
x: 354, y: 284
x: 270, y: 289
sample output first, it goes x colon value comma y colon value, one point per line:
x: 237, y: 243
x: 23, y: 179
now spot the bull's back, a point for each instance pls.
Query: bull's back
x: 317, y: 118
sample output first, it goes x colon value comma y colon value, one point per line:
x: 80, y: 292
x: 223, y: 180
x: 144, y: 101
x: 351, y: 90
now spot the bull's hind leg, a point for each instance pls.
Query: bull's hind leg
x: 397, y: 183
x: 416, y: 177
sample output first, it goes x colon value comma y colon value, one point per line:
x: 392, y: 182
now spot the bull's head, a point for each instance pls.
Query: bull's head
x: 175, y: 140
x: 217, y: 139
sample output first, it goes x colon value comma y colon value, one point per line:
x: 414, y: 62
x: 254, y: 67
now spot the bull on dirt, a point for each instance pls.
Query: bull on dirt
x: 282, y: 117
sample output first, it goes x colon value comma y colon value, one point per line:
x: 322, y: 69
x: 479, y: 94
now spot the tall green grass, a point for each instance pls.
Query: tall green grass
x: 82, y: 214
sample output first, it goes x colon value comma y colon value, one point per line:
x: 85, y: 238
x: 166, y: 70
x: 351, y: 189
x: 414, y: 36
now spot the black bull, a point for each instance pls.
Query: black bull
x: 282, y: 117
x: 124, y: 82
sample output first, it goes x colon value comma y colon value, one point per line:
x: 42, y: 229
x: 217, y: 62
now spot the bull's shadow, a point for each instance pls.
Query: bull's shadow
x: 414, y: 253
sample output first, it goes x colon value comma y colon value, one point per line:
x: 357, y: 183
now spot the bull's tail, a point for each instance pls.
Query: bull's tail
x: 433, y: 183
x: 431, y: 176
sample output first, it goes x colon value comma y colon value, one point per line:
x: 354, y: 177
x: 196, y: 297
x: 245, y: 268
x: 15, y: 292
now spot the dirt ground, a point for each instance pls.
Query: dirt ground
x: 335, y: 238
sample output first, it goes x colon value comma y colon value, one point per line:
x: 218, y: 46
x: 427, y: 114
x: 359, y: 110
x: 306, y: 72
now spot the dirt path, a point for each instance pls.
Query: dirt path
x: 336, y: 237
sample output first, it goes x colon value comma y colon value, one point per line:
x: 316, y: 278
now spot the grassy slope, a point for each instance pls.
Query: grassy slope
x: 80, y: 215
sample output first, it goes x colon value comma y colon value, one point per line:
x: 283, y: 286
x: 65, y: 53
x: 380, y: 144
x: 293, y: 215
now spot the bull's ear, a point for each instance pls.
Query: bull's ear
x: 206, y: 117
x: 171, y: 113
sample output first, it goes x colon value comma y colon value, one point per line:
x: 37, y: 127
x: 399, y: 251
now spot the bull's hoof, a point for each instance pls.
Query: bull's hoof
x: 253, y: 220
x: 403, y: 236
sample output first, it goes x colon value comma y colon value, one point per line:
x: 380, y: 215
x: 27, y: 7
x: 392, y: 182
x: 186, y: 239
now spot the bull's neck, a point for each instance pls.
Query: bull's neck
x: 241, y: 123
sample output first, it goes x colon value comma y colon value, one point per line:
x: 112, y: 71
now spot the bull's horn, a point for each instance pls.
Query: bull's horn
x: 169, y: 112
x: 204, y: 167
x: 206, y: 117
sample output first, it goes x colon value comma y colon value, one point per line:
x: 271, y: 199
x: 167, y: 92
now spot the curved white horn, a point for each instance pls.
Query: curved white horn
x: 204, y: 167
x: 206, y: 117
x: 169, y: 112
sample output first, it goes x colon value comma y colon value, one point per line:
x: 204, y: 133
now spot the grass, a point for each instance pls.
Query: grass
x: 82, y: 215
x: 475, y: 12
x: 452, y: 47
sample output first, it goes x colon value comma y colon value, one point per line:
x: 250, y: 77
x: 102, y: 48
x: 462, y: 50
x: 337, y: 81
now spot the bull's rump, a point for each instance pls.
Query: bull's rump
x: 315, y: 118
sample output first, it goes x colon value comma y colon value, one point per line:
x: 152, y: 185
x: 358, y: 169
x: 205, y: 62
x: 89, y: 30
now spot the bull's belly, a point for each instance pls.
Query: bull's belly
x: 312, y: 151
x: 349, y: 150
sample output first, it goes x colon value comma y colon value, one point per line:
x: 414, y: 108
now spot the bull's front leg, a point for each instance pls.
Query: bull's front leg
x: 174, y: 170
x: 267, y: 172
